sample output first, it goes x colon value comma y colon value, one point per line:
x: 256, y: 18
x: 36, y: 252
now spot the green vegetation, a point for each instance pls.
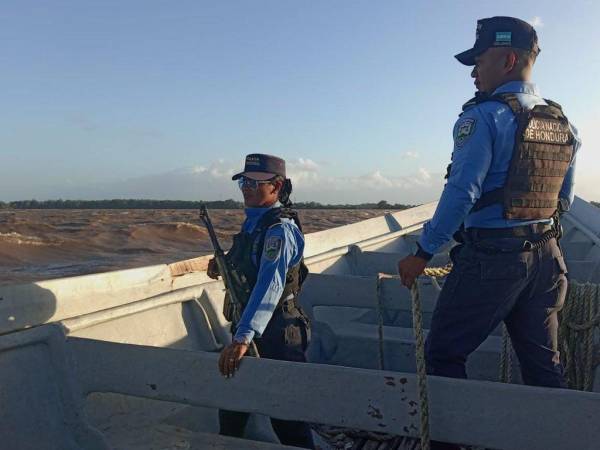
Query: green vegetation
x: 174, y: 204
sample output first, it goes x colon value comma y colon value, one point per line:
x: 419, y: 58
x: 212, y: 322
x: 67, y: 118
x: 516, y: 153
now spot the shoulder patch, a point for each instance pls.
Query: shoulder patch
x: 272, y: 248
x: 464, y: 129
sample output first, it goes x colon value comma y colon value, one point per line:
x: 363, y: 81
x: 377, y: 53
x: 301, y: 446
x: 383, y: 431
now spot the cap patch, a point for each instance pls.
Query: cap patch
x: 252, y: 161
x: 503, y: 38
x: 272, y: 248
x: 465, y: 128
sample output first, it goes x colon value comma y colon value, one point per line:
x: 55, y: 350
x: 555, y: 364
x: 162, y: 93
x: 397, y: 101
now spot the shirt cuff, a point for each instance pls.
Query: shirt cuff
x: 244, y: 335
x: 420, y: 253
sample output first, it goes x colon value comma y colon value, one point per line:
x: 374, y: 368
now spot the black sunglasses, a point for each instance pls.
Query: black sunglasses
x: 249, y: 183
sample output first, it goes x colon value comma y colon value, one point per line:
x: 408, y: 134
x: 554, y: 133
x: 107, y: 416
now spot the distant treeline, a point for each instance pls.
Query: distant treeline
x: 596, y: 204
x: 174, y: 204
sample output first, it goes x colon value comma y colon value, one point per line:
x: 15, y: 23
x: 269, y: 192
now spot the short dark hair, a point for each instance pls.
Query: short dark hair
x: 528, y: 56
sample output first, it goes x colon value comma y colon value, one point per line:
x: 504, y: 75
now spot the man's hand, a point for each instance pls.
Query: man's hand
x: 230, y: 358
x: 410, y: 268
x: 213, y: 269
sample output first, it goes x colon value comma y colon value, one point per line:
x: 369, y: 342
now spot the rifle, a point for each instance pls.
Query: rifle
x: 236, y: 284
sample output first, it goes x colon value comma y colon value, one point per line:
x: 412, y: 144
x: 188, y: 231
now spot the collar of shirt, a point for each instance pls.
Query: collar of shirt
x: 253, y: 216
x: 522, y: 87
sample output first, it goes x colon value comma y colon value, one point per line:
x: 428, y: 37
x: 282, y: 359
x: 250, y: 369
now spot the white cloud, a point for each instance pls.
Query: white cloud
x: 425, y: 175
x: 211, y: 181
x: 374, y: 180
x: 419, y: 187
x: 303, y: 164
x: 198, y: 169
x: 303, y: 171
x: 410, y: 155
x: 219, y: 172
x: 536, y: 22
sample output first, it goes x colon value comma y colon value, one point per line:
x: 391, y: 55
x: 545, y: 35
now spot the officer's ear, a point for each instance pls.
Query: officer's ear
x: 511, y: 59
x: 277, y: 185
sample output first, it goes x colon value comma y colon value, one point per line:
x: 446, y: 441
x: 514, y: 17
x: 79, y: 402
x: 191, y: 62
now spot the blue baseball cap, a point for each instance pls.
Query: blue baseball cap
x: 500, y: 31
x: 259, y: 166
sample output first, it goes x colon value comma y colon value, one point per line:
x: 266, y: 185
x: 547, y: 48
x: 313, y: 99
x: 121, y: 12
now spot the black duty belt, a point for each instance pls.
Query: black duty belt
x: 524, y: 231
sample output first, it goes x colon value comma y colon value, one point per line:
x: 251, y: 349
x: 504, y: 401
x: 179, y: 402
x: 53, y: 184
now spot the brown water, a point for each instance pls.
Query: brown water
x: 44, y: 244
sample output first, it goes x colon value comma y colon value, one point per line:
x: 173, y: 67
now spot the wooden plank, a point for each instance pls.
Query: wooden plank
x: 184, y: 267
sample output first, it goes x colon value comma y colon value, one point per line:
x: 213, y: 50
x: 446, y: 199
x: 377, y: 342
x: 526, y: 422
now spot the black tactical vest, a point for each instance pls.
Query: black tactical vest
x: 247, y: 244
x: 541, y: 157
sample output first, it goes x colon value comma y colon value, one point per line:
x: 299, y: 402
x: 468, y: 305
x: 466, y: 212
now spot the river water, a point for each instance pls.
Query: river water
x: 42, y: 244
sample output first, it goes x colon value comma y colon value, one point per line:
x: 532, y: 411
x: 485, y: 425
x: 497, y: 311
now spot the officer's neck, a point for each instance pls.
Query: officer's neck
x: 257, y: 211
x: 520, y: 77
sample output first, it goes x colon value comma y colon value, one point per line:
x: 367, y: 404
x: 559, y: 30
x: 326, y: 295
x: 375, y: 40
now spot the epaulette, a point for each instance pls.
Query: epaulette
x: 468, y: 104
x: 479, y: 97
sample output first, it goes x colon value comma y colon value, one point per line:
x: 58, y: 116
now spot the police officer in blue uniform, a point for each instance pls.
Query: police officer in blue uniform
x: 268, y: 251
x: 512, y: 169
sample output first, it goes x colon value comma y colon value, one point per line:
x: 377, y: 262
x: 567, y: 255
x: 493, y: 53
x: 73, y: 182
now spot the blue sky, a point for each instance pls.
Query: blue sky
x: 162, y: 99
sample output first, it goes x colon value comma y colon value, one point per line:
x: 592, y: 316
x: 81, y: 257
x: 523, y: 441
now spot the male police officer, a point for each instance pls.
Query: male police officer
x: 512, y: 164
x: 268, y: 251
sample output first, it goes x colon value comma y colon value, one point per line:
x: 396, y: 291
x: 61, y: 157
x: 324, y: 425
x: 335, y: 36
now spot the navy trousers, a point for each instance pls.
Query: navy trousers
x: 286, y: 338
x: 492, y: 281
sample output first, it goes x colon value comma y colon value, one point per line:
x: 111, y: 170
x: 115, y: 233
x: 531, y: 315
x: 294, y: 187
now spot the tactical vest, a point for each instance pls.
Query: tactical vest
x: 247, y: 244
x: 541, y: 157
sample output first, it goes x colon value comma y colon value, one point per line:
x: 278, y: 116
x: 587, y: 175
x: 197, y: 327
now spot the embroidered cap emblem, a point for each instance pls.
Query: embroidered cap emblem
x: 503, y: 38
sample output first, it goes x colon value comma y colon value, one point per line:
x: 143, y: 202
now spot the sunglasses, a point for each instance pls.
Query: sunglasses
x: 249, y: 183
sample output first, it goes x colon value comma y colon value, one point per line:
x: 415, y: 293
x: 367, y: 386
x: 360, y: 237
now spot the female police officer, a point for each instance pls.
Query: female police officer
x: 268, y: 251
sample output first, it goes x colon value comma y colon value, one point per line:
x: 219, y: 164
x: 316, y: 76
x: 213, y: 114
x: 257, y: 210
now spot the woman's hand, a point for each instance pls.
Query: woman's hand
x: 213, y: 269
x: 230, y: 358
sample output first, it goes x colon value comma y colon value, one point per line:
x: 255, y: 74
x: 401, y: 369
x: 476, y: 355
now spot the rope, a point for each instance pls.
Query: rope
x: 380, y: 277
x: 421, y: 370
x: 339, y: 438
x: 505, y: 375
x: 438, y: 272
x: 579, y: 321
x: 433, y: 272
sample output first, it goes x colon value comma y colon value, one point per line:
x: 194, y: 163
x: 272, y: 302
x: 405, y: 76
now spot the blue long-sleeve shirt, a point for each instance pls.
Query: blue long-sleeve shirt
x: 283, y: 249
x: 484, y: 137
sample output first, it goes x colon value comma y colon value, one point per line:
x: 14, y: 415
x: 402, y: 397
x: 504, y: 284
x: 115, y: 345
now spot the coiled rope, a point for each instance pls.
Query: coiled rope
x: 579, y: 321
